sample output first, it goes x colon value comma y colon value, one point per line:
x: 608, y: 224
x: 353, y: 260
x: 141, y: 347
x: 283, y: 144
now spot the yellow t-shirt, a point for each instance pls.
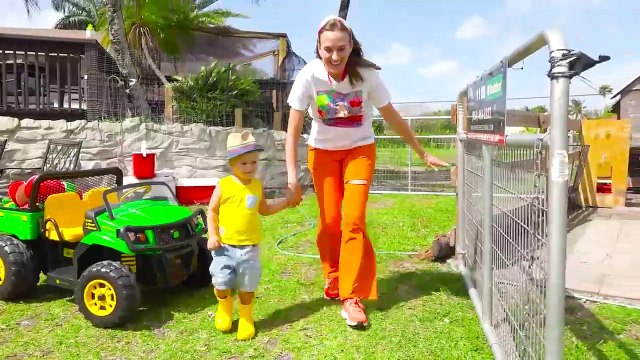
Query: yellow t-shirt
x: 239, y: 219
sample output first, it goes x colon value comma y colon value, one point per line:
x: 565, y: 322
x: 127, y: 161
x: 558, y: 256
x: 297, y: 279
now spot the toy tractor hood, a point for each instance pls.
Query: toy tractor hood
x: 145, y: 213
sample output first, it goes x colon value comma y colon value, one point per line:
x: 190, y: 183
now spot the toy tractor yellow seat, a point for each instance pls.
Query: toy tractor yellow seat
x: 93, y: 198
x: 64, y: 217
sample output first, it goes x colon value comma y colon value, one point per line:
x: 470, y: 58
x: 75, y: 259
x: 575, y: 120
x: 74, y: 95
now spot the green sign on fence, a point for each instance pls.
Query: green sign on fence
x: 487, y: 105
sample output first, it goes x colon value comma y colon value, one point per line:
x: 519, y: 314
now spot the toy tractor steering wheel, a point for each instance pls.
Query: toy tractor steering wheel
x: 145, y: 190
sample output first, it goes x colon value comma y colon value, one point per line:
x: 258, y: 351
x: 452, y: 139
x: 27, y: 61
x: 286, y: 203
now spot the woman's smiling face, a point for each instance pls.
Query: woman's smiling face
x: 334, y: 48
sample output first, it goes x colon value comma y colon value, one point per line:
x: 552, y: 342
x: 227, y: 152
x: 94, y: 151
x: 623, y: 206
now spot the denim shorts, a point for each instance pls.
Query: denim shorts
x: 236, y: 267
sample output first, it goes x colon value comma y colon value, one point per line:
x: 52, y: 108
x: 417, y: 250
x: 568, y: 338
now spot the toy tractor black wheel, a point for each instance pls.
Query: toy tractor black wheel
x: 201, y: 277
x: 107, y: 294
x: 19, y: 273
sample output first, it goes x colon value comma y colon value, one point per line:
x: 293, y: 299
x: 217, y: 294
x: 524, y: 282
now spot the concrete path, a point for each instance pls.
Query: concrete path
x: 603, y: 255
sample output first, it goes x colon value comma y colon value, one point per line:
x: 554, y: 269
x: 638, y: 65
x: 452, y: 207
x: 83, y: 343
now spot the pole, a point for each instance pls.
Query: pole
x: 487, y: 231
x: 557, y: 217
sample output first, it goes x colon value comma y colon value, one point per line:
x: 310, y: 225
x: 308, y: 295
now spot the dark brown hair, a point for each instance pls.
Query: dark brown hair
x: 356, y: 58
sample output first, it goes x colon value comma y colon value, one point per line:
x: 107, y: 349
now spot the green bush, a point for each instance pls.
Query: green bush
x: 434, y: 127
x: 211, y: 95
x: 378, y: 127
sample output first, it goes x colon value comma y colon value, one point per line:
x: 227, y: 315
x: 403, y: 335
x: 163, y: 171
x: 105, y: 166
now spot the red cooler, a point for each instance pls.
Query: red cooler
x: 190, y: 191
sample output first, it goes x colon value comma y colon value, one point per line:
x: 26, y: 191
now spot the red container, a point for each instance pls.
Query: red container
x: 144, y: 165
x: 195, y: 191
x: 603, y: 188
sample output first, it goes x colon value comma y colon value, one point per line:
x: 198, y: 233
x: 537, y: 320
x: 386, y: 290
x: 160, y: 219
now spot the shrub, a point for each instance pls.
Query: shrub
x: 211, y: 95
x: 378, y: 127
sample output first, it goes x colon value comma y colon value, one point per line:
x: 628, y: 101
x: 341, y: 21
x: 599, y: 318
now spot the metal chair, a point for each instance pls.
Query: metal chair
x: 61, y: 155
x: 3, y: 145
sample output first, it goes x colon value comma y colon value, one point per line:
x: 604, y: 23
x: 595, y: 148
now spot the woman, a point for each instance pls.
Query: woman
x: 339, y: 88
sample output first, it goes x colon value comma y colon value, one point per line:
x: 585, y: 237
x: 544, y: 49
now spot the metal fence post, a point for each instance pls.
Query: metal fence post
x: 558, y: 177
x: 460, y: 184
x: 410, y: 156
x: 487, y: 231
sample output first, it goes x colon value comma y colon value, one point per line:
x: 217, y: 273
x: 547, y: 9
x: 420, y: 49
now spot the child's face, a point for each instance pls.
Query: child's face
x: 246, y: 165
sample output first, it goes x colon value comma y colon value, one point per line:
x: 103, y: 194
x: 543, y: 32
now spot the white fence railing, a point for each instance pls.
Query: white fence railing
x: 399, y: 170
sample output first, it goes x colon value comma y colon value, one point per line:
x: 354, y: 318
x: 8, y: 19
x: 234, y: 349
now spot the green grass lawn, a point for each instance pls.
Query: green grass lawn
x: 423, y: 312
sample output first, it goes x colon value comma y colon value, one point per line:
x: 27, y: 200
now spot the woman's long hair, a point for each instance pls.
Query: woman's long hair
x: 356, y: 58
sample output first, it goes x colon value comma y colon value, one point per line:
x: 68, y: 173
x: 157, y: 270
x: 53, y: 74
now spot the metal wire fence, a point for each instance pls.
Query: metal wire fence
x: 399, y: 169
x: 518, y: 248
x: 512, y: 220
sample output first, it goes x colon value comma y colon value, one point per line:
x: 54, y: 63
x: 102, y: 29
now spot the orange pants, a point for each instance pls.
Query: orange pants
x: 344, y: 177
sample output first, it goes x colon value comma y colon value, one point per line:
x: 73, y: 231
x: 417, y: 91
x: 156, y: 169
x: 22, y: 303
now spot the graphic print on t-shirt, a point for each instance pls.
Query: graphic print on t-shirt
x: 339, y: 109
x: 251, y: 201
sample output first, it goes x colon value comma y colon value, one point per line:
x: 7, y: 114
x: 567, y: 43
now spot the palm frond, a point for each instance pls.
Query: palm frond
x: 63, y: 6
x: 201, y: 5
x: 72, y: 22
x: 31, y: 5
x: 216, y: 17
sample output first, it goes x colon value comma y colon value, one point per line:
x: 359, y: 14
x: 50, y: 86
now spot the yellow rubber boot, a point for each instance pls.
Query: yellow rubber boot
x: 224, y: 314
x: 246, y: 328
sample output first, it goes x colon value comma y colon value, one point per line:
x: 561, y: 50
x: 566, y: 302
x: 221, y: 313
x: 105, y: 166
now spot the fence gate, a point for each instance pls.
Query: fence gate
x: 512, y: 214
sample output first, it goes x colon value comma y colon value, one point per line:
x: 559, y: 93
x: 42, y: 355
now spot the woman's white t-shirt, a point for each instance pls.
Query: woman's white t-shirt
x: 341, y: 113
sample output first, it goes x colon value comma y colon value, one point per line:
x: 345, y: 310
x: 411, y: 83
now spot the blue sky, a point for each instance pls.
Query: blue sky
x: 429, y: 50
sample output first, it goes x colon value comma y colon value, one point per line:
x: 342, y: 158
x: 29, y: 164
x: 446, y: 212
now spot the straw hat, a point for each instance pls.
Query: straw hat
x: 241, y: 143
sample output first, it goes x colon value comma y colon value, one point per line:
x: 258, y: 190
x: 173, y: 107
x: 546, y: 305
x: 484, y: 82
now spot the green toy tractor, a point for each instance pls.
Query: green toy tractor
x: 105, y: 241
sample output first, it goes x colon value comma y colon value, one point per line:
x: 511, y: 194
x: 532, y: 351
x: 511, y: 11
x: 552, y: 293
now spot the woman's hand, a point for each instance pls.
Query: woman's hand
x: 295, y: 195
x: 432, y: 161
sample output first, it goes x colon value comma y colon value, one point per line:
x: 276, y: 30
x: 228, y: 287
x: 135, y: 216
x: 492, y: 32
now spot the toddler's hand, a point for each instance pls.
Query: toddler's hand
x: 291, y: 198
x: 213, y: 243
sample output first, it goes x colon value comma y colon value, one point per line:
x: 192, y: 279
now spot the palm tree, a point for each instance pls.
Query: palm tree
x: 158, y: 25
x: 168, y: 26
x: 344, y: 9
x: 577, y: 108
x: 78, y: 14
x: 150, y: 26
x: 123, y: 58
x: 604, y: 90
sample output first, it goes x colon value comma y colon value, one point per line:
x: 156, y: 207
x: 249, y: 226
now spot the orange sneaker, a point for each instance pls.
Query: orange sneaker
x: 353, y: 312
x: 331, y: 289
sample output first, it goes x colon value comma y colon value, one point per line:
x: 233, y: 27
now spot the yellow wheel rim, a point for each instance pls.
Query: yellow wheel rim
x: 2, y: 271
x: 100, y: 298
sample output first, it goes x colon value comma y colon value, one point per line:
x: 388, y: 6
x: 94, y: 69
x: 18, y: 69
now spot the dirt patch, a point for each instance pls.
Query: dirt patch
x: 286, y: 274
x: 309, y: 274
x: 27, y: 323
x: 160, y: 333
x: 16, y: 357
x: 633, y: 332
x: 380, y: 203
x: 272, y: 344
x: 285, y: 328
x: 406, y: 265
x: 405, y: 291
x: 285, y: 356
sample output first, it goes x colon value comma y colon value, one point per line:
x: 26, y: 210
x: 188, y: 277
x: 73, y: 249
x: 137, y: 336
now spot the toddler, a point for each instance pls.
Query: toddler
x: 234, y: 233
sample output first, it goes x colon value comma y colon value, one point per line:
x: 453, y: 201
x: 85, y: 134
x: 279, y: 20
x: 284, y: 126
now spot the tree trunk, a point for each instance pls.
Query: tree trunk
x: 123, y: 60
x: 152, y: 64
x: 344, y: 9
